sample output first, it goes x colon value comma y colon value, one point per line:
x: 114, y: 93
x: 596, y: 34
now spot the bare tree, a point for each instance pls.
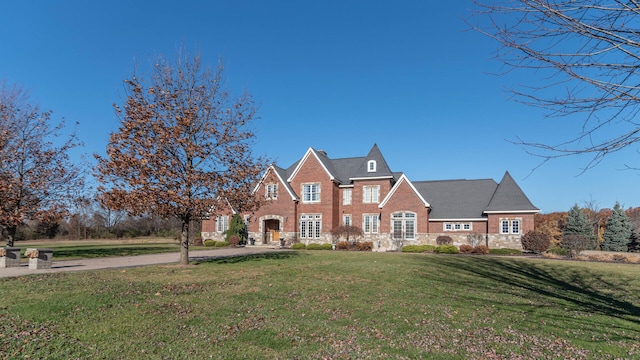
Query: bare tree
x: 183, y: 146
x: 587, y: 54
x: 37, y: 179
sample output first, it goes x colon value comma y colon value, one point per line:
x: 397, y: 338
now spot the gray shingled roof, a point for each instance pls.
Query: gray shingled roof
x: 284, y: 175
x: 457, y: 199
x: 449, y: 199
x: 382, y: 168
x: 508, y: 196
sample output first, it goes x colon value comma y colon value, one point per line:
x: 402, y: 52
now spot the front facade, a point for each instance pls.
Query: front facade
x: 317, y: 194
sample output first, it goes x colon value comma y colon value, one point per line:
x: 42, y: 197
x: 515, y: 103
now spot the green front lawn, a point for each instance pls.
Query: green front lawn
x: 315, y: 305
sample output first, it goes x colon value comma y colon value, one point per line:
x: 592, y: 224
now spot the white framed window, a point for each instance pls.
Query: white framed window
x: 371, y: 194
x: 515, y: 226
x: 371, y: 222
x: 272, y: 191
x: 504, y: 226
x: 311, y: 193
x: 346, y: 219
x: 346, y: 197
x: 403, y: 225
x: 222, y: 224
x: 371, y: 166
x: 310, y: 226
x: 458, y: 226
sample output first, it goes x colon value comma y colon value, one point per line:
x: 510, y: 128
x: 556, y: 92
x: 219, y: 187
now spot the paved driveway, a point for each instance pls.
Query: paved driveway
x: 132, y: 261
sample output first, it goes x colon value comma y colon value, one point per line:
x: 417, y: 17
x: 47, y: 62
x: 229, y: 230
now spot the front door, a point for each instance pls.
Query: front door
x: 271, y: 231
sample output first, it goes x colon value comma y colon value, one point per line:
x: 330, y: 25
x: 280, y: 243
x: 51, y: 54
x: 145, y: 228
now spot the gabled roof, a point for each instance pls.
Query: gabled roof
x: 382, y: 168
x: 508, y: 197
x: 403, y: 179
x: 457, y: 199
x: 322, y: 158
x: 281, y: 174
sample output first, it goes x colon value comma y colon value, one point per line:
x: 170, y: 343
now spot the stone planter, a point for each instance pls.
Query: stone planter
x: 39, y: 258
x: 10, y: 257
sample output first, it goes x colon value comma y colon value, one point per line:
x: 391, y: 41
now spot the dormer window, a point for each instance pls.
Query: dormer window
x: 371, y: 166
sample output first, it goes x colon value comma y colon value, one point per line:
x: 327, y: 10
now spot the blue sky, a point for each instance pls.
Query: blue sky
x: 335, y: 75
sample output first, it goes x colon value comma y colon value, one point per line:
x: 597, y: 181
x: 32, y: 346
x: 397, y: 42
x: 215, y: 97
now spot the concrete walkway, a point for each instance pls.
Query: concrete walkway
x: 133, y: 261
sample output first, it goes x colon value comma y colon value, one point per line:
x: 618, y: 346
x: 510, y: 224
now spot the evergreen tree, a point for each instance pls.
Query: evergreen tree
x: 618, y: 231
x: 578, y: 224
x: 238, y: 228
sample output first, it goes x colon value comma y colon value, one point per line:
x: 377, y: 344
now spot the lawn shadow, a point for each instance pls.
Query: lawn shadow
x: 232, y: 259
x: 587, y: 290
x: 111, y: 252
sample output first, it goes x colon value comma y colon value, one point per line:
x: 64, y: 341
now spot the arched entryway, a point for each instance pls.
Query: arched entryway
x: 270, y: 230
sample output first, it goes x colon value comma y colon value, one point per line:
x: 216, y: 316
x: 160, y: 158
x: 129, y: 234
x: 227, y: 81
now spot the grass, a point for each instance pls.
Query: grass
x: 69, y: 250
x: 316, y: 305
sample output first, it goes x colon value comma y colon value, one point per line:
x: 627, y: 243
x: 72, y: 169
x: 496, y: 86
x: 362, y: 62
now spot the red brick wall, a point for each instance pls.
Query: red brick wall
x: 312, y: 171
x: 526, y: 222
x: 283, y: 206
x: 405, y: 199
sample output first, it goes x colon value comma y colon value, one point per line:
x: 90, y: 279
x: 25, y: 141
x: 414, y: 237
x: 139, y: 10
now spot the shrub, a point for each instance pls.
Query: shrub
x: 326, y: 247
x: 574, y: 244
x: 418, y: 248
x: 342, y: 245
x: 475, y: 239
x: 558, y: 251
x: 504, y: 251
x: 314, y: 247
x: 411, y: 249
x: 446, y: 249
x: 209, y: 243
x: 466, y: 249
x: 481, y: 250
x: 364, y: 246
x: 299, y: 246
x: 221, y: 244
x: 444, y: 240
x: 234, y: 240
x: 536, y: 242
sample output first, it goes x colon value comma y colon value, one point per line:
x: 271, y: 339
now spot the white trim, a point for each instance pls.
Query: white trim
x: 285, y: 184
x: 373, y: 178
x: 459, y: 220
x: 512, y: 212
x: 369, y: 167
x: 395, y: 187
x: 309, y: 152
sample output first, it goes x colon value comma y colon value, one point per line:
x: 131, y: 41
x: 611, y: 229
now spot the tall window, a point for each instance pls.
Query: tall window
x: 272, y: 191
x: 370, y: 223
x: 222, y: 224
x: 310, y: 226
x: 311, y: 193
x: 510, y: 226
x: 371, y: 194
x: 346, y: 219
x: 346, y: 197
x: 504, y: 227
x: 403, y: 225
x: 515, y: 226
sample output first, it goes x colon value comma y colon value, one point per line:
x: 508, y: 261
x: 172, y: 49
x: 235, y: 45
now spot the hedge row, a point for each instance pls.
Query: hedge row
x: 213, y: 243
x: 342, y: 245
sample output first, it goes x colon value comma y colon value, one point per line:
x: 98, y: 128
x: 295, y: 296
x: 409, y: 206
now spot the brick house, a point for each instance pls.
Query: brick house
x: 317, y: 194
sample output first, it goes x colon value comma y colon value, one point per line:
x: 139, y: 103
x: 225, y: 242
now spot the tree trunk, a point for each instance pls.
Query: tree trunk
x: 184, y: 243
x: 11, y: 235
